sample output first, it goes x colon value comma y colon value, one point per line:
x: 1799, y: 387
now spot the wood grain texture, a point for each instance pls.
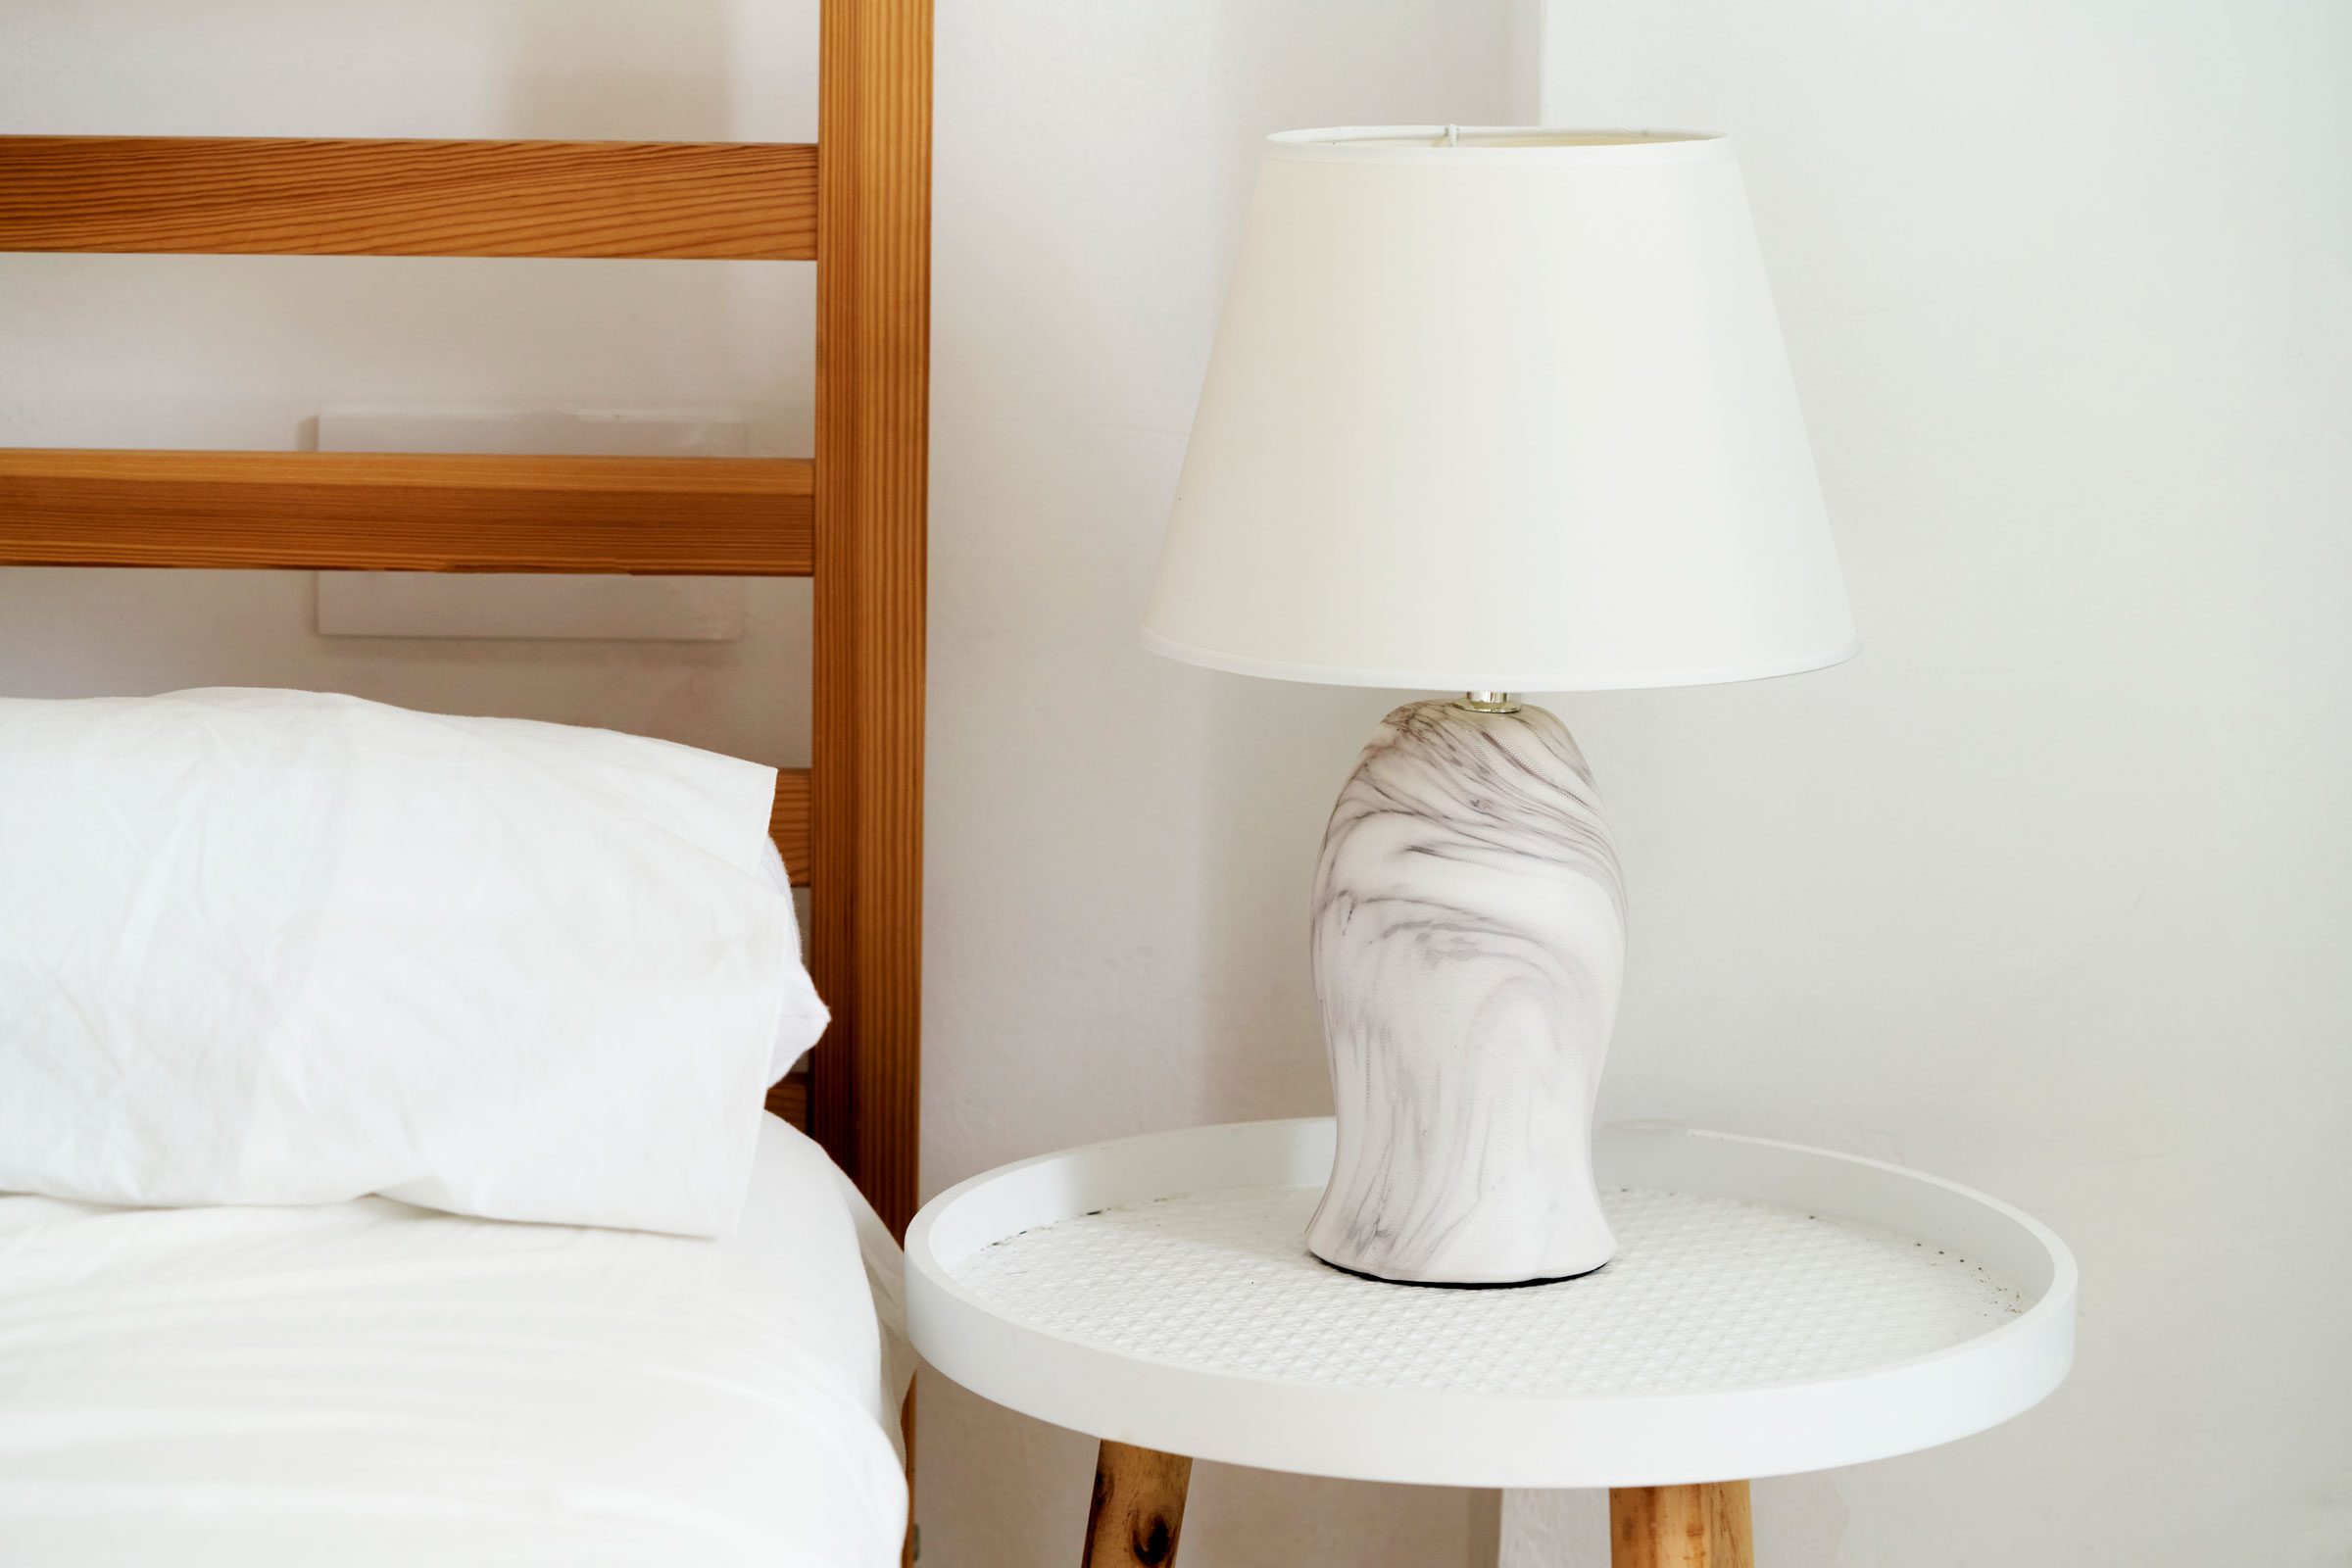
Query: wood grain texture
x: 789, y: 823
x: 872, y: 435
x: 242, y: 195
x: 406, y: 511
x: 1680, y: 1527
x: 790, y: 1100
x: 1138, y: 1511
x: 912, y: 1547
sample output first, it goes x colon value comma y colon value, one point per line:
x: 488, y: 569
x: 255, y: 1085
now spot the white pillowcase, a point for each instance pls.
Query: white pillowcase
x: 263, y: 947
x: 804, y: 1015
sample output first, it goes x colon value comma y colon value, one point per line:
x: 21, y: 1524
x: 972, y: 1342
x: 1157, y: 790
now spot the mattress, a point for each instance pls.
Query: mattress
x: 367, y: 1383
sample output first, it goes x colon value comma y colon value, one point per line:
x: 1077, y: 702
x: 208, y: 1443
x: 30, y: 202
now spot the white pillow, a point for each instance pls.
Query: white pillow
x: 805, y: 1013
x: 264, y: 946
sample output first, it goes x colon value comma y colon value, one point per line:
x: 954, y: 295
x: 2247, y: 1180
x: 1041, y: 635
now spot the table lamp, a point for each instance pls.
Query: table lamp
x: 1490, y: 411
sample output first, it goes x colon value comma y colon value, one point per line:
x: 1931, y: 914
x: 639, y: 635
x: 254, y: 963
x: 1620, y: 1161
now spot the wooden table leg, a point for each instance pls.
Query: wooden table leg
x: 909, y: 1548
x: 1680, y: 1527
x: 1138, y: 1509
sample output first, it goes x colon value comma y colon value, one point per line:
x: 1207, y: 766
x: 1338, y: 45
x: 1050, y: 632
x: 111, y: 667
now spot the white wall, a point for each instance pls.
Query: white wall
x: 2052, y: 890
x: 1119, y: 847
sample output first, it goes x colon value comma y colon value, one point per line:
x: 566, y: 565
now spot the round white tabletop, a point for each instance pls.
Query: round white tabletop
x: 1770, y: 1309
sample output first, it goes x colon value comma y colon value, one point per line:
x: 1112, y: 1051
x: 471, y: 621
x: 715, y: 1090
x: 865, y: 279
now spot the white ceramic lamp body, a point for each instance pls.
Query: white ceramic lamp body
x: 1488, y: 410
x: 1469, y: 947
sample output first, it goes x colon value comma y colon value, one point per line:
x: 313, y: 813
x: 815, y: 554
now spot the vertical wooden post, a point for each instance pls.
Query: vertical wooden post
x: 1138, y: 1511
x: 1680, y: 1527
x: 873, y: 339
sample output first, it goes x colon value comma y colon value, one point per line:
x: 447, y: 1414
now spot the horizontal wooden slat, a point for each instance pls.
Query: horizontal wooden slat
x: 406, y: 511
x: 248, y: 195
x: 788, y: 825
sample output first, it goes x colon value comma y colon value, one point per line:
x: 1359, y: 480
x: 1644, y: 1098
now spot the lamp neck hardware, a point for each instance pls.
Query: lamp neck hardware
x: 1488, y: 703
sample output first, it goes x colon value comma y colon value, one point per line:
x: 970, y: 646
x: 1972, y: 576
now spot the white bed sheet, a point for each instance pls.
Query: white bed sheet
x: 368, y: 1383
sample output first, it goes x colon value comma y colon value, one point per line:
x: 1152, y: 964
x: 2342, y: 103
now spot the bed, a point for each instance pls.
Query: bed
x: 367, y: 1382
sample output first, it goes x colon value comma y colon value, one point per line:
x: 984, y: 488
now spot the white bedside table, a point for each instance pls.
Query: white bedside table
x: 1770, y: 1309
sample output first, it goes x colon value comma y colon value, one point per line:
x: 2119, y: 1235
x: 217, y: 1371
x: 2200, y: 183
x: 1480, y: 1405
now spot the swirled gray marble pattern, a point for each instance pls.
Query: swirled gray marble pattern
x: 1469, y: 945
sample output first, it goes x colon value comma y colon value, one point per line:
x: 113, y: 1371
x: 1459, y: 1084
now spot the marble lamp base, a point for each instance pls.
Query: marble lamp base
x: 1469, y: 944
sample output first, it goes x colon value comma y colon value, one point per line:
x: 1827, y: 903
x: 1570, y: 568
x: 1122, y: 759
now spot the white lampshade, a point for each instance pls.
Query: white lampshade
x: 1499, y: 409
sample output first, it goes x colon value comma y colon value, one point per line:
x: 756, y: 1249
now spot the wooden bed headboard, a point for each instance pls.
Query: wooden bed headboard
x: 858, y: 204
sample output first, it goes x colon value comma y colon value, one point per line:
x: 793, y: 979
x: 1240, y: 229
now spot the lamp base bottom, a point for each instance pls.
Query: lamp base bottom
x: 1458, y: 1285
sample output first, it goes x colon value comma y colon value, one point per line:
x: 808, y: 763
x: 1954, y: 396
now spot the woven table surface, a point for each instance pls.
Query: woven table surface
x: 1705, y: 1293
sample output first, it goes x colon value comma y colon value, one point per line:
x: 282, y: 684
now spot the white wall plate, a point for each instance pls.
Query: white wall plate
x: 523, y: 605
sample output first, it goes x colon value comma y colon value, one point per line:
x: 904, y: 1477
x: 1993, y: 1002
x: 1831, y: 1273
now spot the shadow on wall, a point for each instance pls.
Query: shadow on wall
x: 613, y: 70
x: 1279, y: 753
x: 690, y: 70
